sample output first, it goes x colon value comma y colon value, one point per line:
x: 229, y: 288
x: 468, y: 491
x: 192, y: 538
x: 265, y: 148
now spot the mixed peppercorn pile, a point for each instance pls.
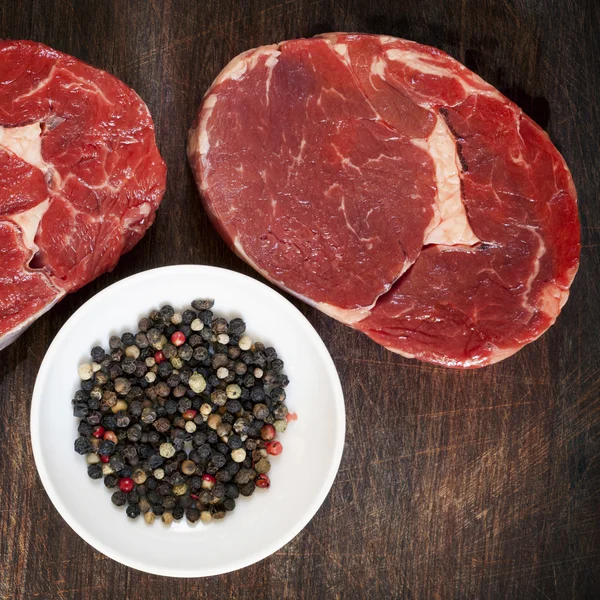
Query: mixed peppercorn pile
x: 181, y: 418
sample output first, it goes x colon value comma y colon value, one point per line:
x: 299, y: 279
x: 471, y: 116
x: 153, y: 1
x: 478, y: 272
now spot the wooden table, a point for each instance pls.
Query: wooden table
x: 464, y: 485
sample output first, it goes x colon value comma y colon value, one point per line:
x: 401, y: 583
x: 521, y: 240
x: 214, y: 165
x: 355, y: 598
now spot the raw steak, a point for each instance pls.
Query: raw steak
x: 392, y: 188
x: 80, y: 178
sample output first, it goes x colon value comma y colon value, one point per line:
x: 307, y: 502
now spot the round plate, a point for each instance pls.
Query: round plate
x: 300, y: 477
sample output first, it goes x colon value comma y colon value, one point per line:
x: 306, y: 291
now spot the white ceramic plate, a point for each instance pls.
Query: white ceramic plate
x: 300, y: 477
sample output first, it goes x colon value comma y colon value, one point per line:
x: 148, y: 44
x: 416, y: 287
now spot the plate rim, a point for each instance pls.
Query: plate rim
x: 235, y: 564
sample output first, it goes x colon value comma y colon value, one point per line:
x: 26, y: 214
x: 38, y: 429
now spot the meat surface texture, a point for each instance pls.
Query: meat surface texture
x: 80, y: 178
x: 392, y: 188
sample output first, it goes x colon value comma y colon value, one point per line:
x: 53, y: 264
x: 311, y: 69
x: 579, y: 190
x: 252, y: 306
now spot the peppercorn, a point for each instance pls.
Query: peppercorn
x: 82, y: 445
x: 94, y: 471
x: 116, y: 463
x: 106, y: 448
x: 139, y: 476
x: 169, y: 351
x: 260, y: 411
x: 192, y: 514
x: 133, y: 497
x: 162, y: 425
x: 148, y: 415
x: 263, y: 481
x: 87, y: 386
x: 234, y: 442
x: 177, y: 338
x: 245, y: 343
x: 248, y: 488
x: 274, y: 448
x: 162, y: 389
x: 169, y: 502
x: 208, y: 481
x: 262, y: 466
x: 234, y: 406
x: 133, y: 511
x: 92, y: 459
x: 122, y: 419
x: 248, y: 381
x: 214, y: 420
x: 119, y: 498
x: 185, y: 352
x: 233, y: 467
x: 122, y: 386
x: 229, y: 504
x: 223, y: 476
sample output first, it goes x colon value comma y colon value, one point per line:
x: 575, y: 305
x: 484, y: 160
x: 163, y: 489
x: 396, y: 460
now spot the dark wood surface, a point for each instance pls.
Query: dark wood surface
x: 464, y: 485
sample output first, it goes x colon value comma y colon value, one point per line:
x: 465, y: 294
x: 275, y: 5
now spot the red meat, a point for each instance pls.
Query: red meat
x: 392, y: 188
x: 80, y: 178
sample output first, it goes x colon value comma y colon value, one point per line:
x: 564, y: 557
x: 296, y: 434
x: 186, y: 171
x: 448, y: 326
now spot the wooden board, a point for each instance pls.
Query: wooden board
x: 464, y: 485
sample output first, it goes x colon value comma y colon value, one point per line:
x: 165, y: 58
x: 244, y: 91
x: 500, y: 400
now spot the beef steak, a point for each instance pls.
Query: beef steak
x: 80, y: 178
x: 392, y: 188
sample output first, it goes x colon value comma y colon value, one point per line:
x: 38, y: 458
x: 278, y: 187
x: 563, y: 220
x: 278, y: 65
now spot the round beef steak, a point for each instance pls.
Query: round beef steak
x: 392, y: 188
x: 80, y: 178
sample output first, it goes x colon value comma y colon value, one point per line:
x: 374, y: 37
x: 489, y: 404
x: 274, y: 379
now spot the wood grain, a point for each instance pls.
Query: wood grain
x: 464, y: 485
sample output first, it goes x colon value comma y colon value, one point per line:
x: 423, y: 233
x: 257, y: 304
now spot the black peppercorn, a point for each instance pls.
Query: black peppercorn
x: 84, y: 429
x: 233, y: 406
x: 229, y: 504
x: 177, y: 478
x: 83, y: 445
x: 184, y: 501
x: 110, y: 481
x: 122, y: 420
x: 125, y: 472
x: 218, y: 490
x: 195, y: 483
x: 169, y: 502
x: 133, y: 511
x: 163, y: 488
x: 109, y: 422
x: 116, y: 463
x: 106, y: 448
x: 134, y: 433
x: 234, y: 441
x: 218, y: 460
x: 145, y: 451
x: 233, y: 467
x: 223, y: 476
x: 232, y: 491
x: 247, y: 489
x: 87, y: 386
x: 119, y: 498
x: 192, y: 514
x: 94, y: 471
